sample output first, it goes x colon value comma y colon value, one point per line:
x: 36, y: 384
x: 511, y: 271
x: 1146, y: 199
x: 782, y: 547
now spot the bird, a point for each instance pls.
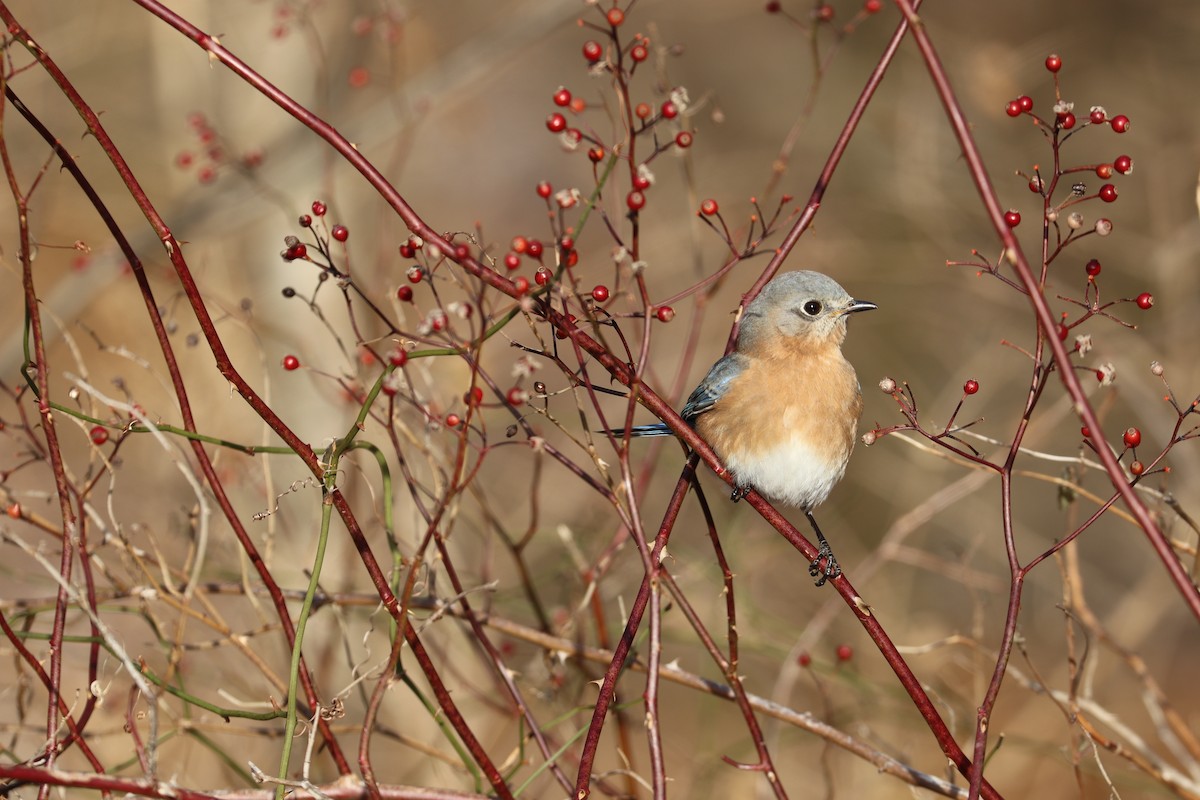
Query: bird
x: 782, y: 410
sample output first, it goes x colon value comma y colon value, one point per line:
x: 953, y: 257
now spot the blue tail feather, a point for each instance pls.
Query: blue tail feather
x: 657, y: 429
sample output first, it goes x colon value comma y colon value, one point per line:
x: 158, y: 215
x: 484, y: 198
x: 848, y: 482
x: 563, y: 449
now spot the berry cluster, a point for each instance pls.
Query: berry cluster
x: 824, y: 14
x: 1064, y: 191
x: 439, y: 322
x: 210, y: 154
x: 1058, y: 129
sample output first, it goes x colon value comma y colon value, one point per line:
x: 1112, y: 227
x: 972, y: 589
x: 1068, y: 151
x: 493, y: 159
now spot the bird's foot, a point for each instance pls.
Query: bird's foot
x: 739, y: 492
x: 831, y: 569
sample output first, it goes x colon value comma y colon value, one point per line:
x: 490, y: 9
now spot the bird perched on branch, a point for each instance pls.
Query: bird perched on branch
x: 782, y: 409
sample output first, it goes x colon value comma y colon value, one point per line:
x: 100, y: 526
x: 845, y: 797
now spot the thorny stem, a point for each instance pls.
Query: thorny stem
x: 1070, y: 380
x: 161, y: 335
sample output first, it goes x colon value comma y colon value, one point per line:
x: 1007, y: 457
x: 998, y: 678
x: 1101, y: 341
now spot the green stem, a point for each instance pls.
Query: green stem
x: 289, y: 729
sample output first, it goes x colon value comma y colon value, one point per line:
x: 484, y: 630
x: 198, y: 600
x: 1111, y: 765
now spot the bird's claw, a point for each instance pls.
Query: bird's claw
x: 739, y: 492
x: 831, y: 568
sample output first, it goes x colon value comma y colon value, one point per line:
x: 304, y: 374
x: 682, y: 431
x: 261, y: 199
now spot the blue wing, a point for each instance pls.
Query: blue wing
x: 713, y: 387
x: 702, y: 398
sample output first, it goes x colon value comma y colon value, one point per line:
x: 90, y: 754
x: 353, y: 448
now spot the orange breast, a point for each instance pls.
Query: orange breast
x: 787, y: 425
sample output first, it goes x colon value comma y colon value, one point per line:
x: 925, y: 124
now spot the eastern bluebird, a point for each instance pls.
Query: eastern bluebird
x: 782, y: 410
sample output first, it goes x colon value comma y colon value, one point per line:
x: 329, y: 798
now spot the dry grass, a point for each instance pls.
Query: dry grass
x: 454, y: 116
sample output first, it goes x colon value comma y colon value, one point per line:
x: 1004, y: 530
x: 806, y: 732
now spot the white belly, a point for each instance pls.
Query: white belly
x: 791, y: 473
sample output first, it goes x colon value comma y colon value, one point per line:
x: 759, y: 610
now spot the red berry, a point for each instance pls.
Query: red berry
x: 407, y: 250
x: 519, y: 244
x: 183, y: 160
x: 461, y: 251
x: 562, y: 97
x: 1123, y: 164
x: 971, y: 387
x: 1063, y: 332
x: 642, y: 110
x: 544, y: 190
x: 1086, y: 432
x: 563, y: 334
x: 709, y: 207
x: 1108, y: 193
x: 305, y: 221
x: 566, y: 243
x: 615, y: 16
x: 521, y: 284
x: 1120, y: 123
x: 1025, y: 102
x: 399, y: 356
x: 845, y: 652
x: 873, y: 6
x: 534, y: 249
x: 1132, y: 437
x: 556, y: 123
x: 635, y: 200
x: 1013, y: 109
x: 516, y: 396
x: 596, y: 154
x: 542, y: 276
x: 1066, y: 121
x: 1012, y: 218
x: 638, y: 52
x: 404, y: 294
x: 641, y: 182
x: 473, y: 397
x: 206, y: 175
x: 683, y: 139
x: 824, y: 13
x: 774, y: 7
x: 600, y: 293
x: 1035, y: 184
x: 512, y: 261
x: 290, y: 363
x: 664, y: 313
x: 1092, y: 267
x: 318, y: 208
x: 669, y: 110
x: 1098, y: 116
x: 1104, y: 171
x: 1137, y: 467
x: 1145, y: 300
x: 415, y: 274
x: 98, y: 435
x: 592, y: 51
x: 340, y: 232
x: 452, y: 420
x: 1053, y: 62
x: 804, y: 659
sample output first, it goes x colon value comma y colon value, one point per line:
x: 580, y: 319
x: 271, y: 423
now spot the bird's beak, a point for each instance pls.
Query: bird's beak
x: 859, y: 305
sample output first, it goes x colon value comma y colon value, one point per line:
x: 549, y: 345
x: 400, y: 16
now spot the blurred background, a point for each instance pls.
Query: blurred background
x: 450, y: 99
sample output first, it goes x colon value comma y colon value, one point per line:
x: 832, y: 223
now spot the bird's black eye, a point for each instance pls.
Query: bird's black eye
x: 812, y: 308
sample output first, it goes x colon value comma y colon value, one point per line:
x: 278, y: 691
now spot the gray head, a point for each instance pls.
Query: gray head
x: 805, y: 306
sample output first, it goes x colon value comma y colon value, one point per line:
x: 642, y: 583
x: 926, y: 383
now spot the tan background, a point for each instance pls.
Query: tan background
x: 455, y: 112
